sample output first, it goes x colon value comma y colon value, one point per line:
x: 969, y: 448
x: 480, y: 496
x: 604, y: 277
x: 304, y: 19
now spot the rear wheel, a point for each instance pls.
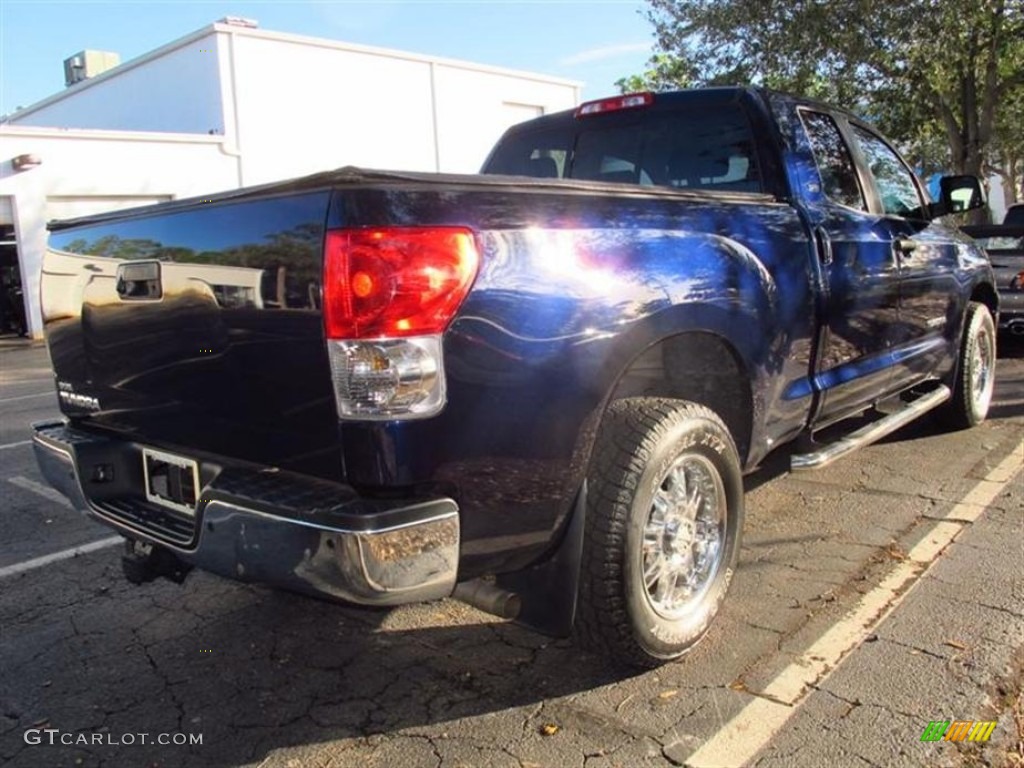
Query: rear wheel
x: 664, y: 512
x: 976, y: 372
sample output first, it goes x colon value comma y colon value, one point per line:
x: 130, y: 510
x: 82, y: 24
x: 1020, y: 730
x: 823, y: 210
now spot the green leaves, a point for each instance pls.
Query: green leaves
x: 666, y: 73
x: 938, y: 75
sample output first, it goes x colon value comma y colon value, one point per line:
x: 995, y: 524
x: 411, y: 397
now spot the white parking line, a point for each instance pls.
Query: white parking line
x: 56, y: 557
x: 39, y: 490
x: 748, y: 732
x: 15, y: 445
x: 27, y: 397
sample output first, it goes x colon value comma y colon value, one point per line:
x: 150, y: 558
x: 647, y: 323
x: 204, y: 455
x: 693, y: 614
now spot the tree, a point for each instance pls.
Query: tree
x: 1006, y: 157
x: 666, y: 72
x: 922, y: 69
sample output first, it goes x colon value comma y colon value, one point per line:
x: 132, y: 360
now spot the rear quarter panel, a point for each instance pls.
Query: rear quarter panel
x: 573, y: 287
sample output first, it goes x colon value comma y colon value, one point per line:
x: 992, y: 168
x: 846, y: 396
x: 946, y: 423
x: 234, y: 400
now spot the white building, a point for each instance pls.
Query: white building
x: 231, y: 105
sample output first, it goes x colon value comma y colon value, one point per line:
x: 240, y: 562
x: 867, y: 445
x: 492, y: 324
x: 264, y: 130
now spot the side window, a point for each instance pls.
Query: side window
x: 835, y: 165
x: 894, y: 180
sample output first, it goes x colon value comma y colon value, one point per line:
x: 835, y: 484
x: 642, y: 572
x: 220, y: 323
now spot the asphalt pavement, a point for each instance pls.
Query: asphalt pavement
x: 873, y: 597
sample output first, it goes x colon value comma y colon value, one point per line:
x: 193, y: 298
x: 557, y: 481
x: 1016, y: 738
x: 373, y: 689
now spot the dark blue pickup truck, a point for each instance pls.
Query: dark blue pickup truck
x: 536, y: 389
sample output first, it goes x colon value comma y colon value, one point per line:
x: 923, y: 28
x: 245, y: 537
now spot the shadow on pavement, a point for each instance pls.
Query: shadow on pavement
x: 1010, y: 346
x: 255, y: 670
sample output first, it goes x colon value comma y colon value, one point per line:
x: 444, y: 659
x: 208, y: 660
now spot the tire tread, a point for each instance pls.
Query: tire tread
x: 958, y: 412
x: 629, y: 433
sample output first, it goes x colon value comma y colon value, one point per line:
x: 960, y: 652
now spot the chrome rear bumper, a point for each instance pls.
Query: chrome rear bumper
x: 270, y: 527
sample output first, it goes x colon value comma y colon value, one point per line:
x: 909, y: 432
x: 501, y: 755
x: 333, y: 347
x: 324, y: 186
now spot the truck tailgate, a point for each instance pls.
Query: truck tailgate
x: 197, y: 325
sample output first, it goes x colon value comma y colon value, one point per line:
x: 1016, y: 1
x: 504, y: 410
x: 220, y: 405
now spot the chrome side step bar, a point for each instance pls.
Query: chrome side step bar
x: 870, y: 433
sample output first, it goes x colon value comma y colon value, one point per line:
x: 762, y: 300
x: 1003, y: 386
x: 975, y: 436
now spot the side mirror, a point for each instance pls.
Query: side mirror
x: 959, y: 194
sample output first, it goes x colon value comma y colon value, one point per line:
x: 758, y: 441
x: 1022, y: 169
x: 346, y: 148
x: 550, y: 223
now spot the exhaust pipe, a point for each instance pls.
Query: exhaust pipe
x: 1016, y: 327
x: 489, y: 598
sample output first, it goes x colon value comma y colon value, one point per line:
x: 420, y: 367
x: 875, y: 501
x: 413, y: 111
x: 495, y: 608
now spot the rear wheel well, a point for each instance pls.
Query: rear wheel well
x: 700, y: 367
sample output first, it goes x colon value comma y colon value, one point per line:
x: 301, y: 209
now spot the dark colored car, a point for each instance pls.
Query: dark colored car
x: 1014, y: 215
x: 1004, y: 244
x: 535, y: 389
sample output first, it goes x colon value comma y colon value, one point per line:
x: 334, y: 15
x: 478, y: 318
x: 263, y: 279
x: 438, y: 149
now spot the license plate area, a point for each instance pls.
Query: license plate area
x: 171, y: 481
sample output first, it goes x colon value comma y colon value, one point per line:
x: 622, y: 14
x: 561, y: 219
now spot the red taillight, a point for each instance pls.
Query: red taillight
x: 395, y: 281
x: 614, y: 104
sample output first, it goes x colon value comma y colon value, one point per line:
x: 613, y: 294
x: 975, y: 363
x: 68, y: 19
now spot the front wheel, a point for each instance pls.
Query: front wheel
x: 976, y: 370
x: 664, y: 512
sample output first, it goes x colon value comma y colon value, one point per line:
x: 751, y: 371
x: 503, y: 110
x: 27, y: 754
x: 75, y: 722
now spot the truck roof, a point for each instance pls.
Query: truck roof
x: 711, y: 95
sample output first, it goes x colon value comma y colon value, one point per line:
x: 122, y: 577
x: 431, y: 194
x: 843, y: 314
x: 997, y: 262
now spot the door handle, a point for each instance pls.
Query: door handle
x: 824, y: 245
x: 905, y: 246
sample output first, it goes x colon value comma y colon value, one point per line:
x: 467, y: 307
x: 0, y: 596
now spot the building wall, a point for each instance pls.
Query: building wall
x: 475, y: 107
x: 177, y: 91
x: 306, y: 105
x: 84, y: 172
x: 307, y: 108
x: 296, y: 105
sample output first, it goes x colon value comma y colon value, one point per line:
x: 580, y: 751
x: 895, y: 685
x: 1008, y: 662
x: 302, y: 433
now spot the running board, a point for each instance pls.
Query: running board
x: 870, y: 433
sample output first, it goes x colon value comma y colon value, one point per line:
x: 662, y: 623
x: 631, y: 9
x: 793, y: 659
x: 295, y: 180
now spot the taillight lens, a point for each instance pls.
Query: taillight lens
x: 389, y: 295
x: 396, y: 281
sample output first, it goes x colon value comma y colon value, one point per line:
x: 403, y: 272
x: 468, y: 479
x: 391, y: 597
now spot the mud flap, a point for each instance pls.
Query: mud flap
x: 549, y: 589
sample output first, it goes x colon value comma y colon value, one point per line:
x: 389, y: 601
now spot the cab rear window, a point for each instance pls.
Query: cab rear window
x: 710, y: 148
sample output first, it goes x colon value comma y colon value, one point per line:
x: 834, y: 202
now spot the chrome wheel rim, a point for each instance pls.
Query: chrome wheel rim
x: 683, y: 536
x: 982, y: 363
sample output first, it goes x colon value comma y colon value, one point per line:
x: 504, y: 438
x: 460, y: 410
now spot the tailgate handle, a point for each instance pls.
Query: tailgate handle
x: 139, y: 280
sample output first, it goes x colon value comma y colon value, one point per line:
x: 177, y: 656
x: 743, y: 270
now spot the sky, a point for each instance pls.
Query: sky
x: 594, y: 41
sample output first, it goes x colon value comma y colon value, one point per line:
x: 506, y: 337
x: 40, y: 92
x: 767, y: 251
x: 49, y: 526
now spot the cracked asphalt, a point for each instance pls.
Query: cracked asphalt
x: 273, y: 679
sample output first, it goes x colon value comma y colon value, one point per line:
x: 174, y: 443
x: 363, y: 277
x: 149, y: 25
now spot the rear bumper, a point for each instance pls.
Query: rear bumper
x: 260, y: 525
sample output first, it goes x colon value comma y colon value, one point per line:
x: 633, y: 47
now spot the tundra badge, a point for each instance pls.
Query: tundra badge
x: 66, y: 393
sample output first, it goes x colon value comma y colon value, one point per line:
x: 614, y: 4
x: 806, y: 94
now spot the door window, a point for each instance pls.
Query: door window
x: 835, y: 165
x: 894, y: 180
